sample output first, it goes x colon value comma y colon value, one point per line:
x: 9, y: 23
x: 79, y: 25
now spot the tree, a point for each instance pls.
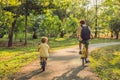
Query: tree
x: 71, y: 26
x: 109, y: 13
x: 115, y: 26
x: 24, y: 7
x: 47, y: 25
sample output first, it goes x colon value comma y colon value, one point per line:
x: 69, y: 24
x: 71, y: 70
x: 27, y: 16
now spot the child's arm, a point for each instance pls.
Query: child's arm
x: 48, y: 50
x: 38, y: 49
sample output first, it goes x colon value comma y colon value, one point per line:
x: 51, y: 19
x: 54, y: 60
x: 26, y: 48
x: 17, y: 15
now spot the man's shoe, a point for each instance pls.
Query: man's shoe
x: 87, y: 61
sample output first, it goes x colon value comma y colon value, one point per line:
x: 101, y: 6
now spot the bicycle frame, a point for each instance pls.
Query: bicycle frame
x: 83, y: 55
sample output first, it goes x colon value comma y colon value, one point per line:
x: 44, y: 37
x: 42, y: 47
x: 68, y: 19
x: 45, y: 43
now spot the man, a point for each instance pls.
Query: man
x: 83, y: 34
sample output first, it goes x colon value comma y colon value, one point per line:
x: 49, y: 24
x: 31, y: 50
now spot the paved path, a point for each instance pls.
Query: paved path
x: 64, y: 64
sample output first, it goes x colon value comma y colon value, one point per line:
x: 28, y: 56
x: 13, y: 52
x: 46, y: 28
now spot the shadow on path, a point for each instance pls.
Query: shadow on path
x: 71, y: 75
x: 30, y: 75
x: 63, y: 58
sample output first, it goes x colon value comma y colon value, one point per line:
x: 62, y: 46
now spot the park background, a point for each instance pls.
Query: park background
x: 24, y: 22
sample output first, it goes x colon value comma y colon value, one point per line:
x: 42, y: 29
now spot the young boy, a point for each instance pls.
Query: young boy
x: 44, y: 50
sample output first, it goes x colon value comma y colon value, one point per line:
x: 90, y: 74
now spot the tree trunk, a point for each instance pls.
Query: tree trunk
x: 26, y: 13
x: 96, y: 33
x: 11, y: 34
x: 111, y: 34
x: 61, y: 34
x: 35, y: 35
x: 96, y: 22
x: 25, y: 30
x: 117, y: 35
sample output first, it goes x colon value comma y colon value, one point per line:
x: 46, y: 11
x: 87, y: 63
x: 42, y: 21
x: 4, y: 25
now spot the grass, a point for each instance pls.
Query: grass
x: 102, y: 40
x: 106, y: 62
x: 11, y: 59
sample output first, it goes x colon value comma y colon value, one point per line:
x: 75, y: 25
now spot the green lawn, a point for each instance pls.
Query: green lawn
x: 106, y: 62
x: 11, y: 59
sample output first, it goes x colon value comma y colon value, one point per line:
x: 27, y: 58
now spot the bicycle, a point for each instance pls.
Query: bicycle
x: 83, y: 55
x: 43, y: 63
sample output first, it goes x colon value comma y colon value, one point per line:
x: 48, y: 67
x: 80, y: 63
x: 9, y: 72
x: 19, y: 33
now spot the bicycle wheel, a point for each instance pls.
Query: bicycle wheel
x: 83, y: 56
x: 83, y: 62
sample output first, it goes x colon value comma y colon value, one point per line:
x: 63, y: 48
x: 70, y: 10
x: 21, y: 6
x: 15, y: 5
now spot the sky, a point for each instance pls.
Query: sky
x: 93, y: 2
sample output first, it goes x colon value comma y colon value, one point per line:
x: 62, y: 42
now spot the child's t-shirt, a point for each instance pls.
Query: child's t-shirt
x: 44, y: 50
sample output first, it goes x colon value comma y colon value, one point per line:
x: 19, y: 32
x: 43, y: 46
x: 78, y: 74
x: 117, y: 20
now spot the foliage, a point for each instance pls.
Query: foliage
x: 5, y: 21
x: 102, y: 40
x: 71, y: 25
x: 11, y: 59
x: 10, y: 64
x: 15, y: 58
x: 109, y: 15
x: 58, y: 13
x: 48, y: 25
x: 105, y: 62
x: 115, y: 26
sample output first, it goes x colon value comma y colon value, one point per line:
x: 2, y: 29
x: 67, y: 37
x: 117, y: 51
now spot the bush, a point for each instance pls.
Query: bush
x: 105, y: 62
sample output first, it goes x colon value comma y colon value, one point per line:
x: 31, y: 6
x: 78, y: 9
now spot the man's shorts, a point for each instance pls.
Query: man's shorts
x: 85, y: 42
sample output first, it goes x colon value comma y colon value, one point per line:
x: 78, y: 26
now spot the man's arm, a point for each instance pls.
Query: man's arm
x: 78, y: 33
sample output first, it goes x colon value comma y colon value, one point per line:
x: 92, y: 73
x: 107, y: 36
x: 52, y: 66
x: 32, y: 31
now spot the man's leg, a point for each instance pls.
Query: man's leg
x: 80, y: 45
x: 87, y: 52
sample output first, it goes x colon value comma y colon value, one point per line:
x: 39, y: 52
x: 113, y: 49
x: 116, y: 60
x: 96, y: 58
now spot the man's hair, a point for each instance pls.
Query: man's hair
x: 44, y: 39
x: 82, y: 22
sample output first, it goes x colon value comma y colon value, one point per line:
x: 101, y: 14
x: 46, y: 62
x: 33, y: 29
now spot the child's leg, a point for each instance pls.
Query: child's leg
x: 46, y: 60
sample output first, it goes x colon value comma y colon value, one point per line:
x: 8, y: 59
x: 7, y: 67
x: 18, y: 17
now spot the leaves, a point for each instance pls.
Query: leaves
x: 105, y: 62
